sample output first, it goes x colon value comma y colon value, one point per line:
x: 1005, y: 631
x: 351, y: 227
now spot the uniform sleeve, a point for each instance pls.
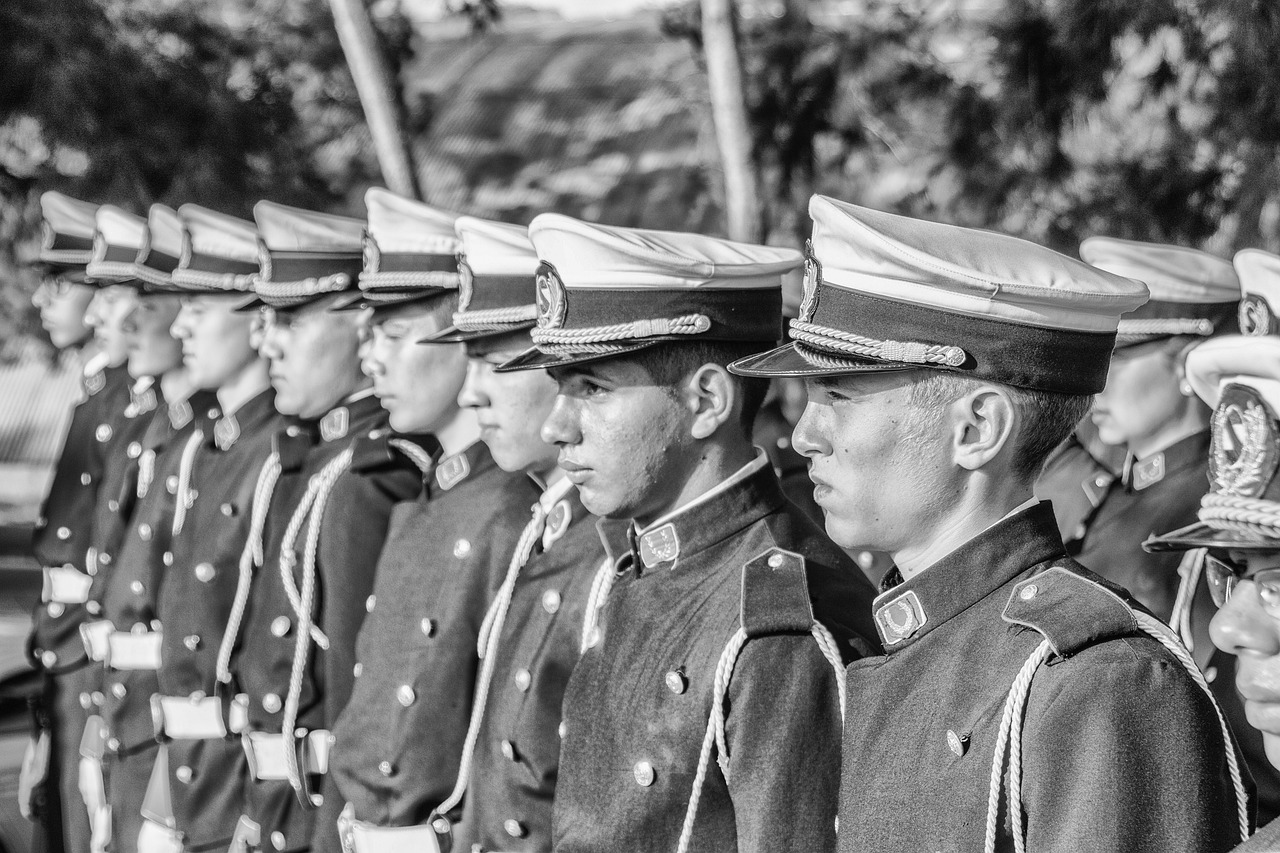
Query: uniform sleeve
x: 783, y: 733
x: 355, y: 527
x: 1123, y: 752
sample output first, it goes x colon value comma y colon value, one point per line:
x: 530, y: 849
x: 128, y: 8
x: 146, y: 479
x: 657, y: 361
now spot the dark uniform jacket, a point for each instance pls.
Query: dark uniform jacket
x: 1150, y: 497
x: 638, y: 704
x: 1099, y: 767
x: 119, y: 417
x: 399, y: 743
x: 1265, y: 840
x: 207, y: 777
x: 517, y: 757
x: 352, y: 531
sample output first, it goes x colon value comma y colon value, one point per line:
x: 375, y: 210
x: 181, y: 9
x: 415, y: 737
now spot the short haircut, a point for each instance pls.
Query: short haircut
x: 1048, y: 417
x: 439, y: 307
x: 670, y: 362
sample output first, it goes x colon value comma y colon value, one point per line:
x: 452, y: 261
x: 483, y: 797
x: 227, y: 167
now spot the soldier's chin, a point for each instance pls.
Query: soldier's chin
x: 1271, y: 743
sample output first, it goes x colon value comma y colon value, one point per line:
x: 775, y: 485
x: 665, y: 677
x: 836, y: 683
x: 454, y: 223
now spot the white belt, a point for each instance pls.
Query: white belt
x: 65, y: 585
x: 94, y: 635
x: 126, y: 650
x: 198, y: 717
x: 361, y: 837
x: 266, y: 753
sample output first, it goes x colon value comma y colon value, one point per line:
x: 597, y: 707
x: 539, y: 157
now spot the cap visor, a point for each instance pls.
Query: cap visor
x: 787, y: 361
x: 1201, y: 535
x: 535, y: 359
x: 454, y: 335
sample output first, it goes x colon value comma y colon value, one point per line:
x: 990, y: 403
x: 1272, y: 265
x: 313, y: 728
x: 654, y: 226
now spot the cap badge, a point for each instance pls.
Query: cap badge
x: 812, y: 278
x: 335, y: 424
x: 372, y: 254
x: 264, y: 261
x: 557, y: 523
x: 659, y: 546
x: 452, y: 471
x: 1255, y: 316
x: 551, y: 297
x: 1243, y: 452
x: 466, y: 284
x: 901, y: 618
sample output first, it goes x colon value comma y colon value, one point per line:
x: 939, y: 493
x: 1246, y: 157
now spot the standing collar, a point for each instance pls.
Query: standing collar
x: 252, y: 414
x: 907, y: 611
x: 1143, y: 473
x: 358, y: 413
x: 733, y: 505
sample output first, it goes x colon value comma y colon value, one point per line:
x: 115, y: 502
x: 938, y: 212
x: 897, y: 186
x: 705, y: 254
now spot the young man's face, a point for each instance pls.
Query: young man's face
x: 417, y: 383
x: 1141, y: 397
x: 215, y: 339
x: 874, y: 457
x: 1248, y: 626
x: 62, y: 307
x: 314, y: 365
x: 106, y: 315
x: 624, y: 441
x: 153, y: 351
x: 510, y: 407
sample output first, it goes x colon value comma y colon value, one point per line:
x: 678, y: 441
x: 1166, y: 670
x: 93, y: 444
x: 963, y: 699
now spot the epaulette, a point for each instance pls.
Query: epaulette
x: 292, y: 445
x: 1069, y: 610
x: 775, y: 594
x: 372, y: 451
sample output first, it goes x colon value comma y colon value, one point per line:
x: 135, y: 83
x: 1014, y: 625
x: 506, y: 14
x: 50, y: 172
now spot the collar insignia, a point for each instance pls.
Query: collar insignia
x: 141, y: 403
x: 180, y: 414
x: 226, y: 431
x: 1147, y: 472
x: 659, y: 546
x: 335, y: 424
x: 812, y: 278
x: 94, y: 382
x: 901, y: 618
x: 452, y: 471
x: 1243, y: 453
x: 557, y: 523
x: 1255, y: 316
x: 550, y: 297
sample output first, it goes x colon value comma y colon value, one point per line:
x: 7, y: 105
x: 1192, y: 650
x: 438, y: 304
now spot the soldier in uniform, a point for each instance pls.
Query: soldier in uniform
x: 720, y: 624
x: 532, y: 636
x: 126, y: 636
x: 399, y: 743
x: 49, y: 785
x: 290, y: 639
x: 1022, y: 702
x: 1148, y: 407
x: 202, y: 763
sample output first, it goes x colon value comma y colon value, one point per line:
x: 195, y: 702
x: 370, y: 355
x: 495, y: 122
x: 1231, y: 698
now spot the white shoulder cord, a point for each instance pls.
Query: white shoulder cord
x: 490, y: 634
x: 416, y: 455
x: 600, y: 587
x: 715, y: 725
x: 250, y: 556
x: 1190, y: 570
x: 1010, y: 736
x: 313, y: 509
x: 182, y: 497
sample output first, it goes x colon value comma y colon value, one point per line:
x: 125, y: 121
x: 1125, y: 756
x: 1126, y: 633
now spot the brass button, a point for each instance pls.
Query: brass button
x: 958, y: 743
x: 191, y: 641
x: 405, y: 695
x: 93, y: 607
x: 593, y: 639
x: 137, y: 588
x: 676, y: 682
x: 461, y: 548
x: 167, y: 558
x: 113, y: 505
x: 56, y: 609
x: 1100, y: 480
x: 271, y: 703
x: 49, y: 658
x: 280, y: 626
x: 643, y: 771
x: 205, y: 573
x: 228, y: 510
x: 386, y: 768
x: 277, y: 840
x: 369, y: 603
x: 523, y: 679
x: 144, y: 532
x: 293, y: 431
x: 102, y: 433
x: 104, y: 558
x: 184, y: 774
x: 113, y: 744
x: 775, y: 561
x: 514, y: 828
x: 64, y: 533
x: 171, y: 484
x: 134, y: 450
x: 86, y: 701
x: 1028, y: 592
x: 1211, y: 674
x: 357, y: 669
x: 551, y: 601
x: 86, y: 478
x: 118, y: 690
x: 508, y: 750
x: 428, y: 627
x: 562, y: 729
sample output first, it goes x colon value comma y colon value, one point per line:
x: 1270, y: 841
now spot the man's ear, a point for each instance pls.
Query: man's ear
x: 712, y: 397
x: 984, y: 422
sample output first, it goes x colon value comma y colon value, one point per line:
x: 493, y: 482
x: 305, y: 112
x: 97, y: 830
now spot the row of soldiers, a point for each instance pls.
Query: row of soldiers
x: 432, y: 532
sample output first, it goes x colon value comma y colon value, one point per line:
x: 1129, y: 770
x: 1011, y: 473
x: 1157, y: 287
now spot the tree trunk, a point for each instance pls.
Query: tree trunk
x: 377, y: 95
x: 729, y: 112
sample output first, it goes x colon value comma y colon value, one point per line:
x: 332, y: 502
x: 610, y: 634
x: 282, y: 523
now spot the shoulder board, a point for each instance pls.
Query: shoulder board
x: 775, y: 594
x: 1070, y: 610
x: 372, y: 450
x: 293, y: 444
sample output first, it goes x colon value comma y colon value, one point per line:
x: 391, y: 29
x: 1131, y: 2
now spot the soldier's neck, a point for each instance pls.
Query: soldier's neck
x: 458, y: 432
x: 977, y: 508
x: 175, y: 385
x: 1193, y: 419
x: 715, y: 463
x: 249, y: 383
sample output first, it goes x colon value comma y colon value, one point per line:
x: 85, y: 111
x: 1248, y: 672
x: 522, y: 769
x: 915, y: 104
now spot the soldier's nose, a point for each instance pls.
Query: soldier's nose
x: 1242, y: 627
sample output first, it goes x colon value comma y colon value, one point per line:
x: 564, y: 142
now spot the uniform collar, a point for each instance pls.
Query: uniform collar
x: 455, y: 468
x: 908, y: 610
x: 356, y: 414
x: 733, y: 505
x: 143, y: 397
x: 251, y: 416
x: 562, y: 507
x: 1144, y: 473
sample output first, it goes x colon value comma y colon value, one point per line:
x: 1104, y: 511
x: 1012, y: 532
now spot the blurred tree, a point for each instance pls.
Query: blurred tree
x: 1050, y: 119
